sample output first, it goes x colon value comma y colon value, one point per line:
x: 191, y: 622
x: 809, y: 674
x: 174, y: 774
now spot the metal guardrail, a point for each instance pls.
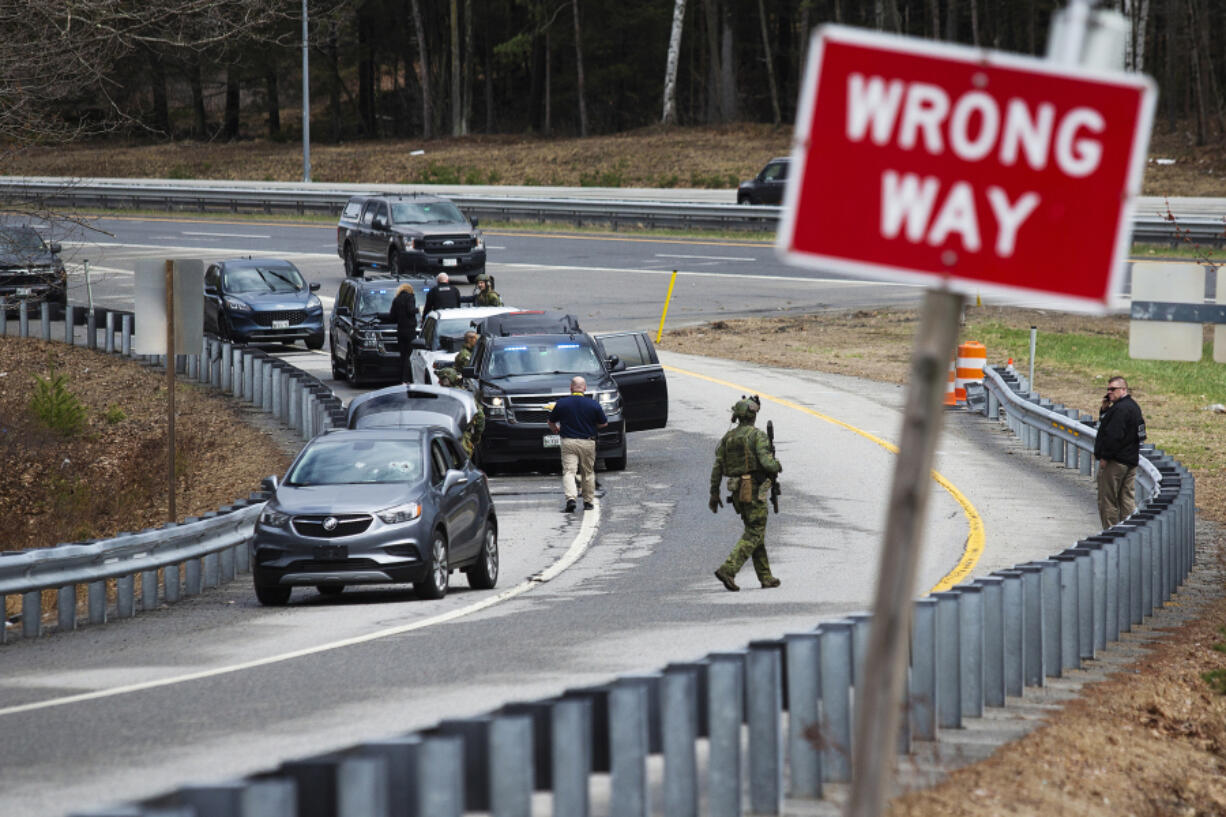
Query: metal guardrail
x: 971, y: 648
x: 284, y: 198
x: 191, y: 555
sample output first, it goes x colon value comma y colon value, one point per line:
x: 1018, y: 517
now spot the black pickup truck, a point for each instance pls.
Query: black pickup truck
x: 408, y: 235
x: 523, y: 363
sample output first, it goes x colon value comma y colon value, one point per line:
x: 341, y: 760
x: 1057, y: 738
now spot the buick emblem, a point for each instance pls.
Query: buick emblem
x: 330, y: 523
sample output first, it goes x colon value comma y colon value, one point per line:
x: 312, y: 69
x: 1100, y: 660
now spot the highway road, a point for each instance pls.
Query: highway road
x: 218, y: 686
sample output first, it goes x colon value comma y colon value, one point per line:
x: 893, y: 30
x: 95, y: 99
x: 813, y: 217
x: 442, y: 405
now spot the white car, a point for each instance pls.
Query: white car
x: 442, y: 335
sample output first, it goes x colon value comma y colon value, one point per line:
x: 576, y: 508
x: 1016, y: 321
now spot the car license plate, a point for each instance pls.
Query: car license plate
x: 280, y: 324
x: 553, y: 441
x: 331, y: 553
x: 25, y: 291
x: 450, y: 262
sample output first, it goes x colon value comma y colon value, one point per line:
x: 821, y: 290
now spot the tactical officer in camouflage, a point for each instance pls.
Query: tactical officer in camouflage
x: 485, y: 294
x: 476, y: 426
x: 744, y: 457
x: 465, y: 354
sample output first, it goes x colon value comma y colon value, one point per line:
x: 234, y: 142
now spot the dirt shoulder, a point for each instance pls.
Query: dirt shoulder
x: 1152, y: 739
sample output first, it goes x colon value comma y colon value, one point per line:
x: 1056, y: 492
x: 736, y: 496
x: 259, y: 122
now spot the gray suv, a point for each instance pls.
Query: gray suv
x: 409, y: 235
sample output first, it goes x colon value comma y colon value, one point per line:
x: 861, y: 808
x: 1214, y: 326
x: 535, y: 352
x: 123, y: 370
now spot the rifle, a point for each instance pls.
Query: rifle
x: 776, y: 490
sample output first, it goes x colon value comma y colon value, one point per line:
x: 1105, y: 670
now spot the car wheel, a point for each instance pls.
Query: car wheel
x: 353, y: 371
x: 484, y: 574
x: 315, y: 342
x: 330, y: 589
x: 338, y: 368
x: 272, y: 595
x: 352, y: 268
x: 434, y: 585
x: 743, y: 199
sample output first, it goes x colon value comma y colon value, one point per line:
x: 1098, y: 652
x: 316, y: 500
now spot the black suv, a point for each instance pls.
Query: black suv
x: 361, y: 331
x: 523, y: 363
x: 409, y: 235
x: 30, y: 269
x: 767, y: 186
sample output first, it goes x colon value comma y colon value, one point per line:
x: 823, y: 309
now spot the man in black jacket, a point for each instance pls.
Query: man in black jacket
x: 442, y: 295
x: 1121, y: 430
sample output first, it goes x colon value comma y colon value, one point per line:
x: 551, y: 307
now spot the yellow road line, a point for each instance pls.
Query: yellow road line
x: 972, y: 550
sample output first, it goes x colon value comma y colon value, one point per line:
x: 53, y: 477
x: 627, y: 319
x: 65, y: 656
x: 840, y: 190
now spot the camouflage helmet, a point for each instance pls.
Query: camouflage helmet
x: 746, y: 409
x: 448, y: 376
x: 483, y: 277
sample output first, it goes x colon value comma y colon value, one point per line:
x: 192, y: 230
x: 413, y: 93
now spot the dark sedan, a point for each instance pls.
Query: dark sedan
x: 262, y: 300
x: 376, y: 506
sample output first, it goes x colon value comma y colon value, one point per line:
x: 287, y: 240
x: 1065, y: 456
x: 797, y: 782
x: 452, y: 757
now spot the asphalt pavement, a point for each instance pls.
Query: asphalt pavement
x: 218, y: 686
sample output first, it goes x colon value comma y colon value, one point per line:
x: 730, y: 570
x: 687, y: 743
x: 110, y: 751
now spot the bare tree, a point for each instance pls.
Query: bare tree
x: 457, y: 100
x: 670, y: 66
x: 770, y: 64
x: 579, y: 68
x: 423, y: 76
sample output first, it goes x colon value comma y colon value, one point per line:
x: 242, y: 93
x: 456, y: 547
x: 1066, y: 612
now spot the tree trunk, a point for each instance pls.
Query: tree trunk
x: 670, y: 67
x: 715, y: 110
x: 934, y: 13
x: 195, y: 79
x: 157, y: 87
x: 951, y: 20
x: 272, y: 101
x: 770, y: 64
x: 579, y: 68
x: 366, y: 77
x: 423, y: 76
x: 334, y: 86
x: 975, y: 23
x: 457, y: 102
x: 727, y: 69
x: 469, y: 62
x: 547, y: 128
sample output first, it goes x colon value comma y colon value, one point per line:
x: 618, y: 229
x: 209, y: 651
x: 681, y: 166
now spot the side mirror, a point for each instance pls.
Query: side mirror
x: 211, y: 291
x: 418, y: 343
x: 313, y: 287
x: 379, y: 223
x: 56, y: 247
x: 453, y: 478
x: 474, y: 222
x: 269, y: 484
x: 467, y: 372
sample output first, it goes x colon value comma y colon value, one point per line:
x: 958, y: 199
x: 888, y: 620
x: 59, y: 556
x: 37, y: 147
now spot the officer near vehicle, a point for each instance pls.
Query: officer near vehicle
x: 443, y: 295
x: 745, y: 457
x: 471, y: 437
x: 486, y: 295
x: 465, y: 355
x: 576, y: 419
x: 404, y: 313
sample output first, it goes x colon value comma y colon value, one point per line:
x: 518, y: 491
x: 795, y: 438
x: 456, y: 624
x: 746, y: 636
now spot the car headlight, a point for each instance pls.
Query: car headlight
x: 480, y: 242
x: 610, y: 401
x: 237, y: 305
x: 370, y: 339
x: 274, y: 519
x: 494, y: 406
x: 314, y: 304
x: 400, y: 514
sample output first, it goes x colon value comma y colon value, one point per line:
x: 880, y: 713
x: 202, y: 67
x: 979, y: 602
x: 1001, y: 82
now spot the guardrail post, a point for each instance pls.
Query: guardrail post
x: 66, y: 608
x: 193, y: 367
x: 248, y: 360
x: 31, y: 613
x: 804, y: 690
x: 1051, y: 617
x: 1085, y: 600
x: 205, y: 374
x: 1070, y: 626
x: 148, y: 590
x: 993, y: 640
x: 275, y: 392
x: 23, y: 319
x: 1033, y: 654
x: 949, y: 662
x: 440, y: 777
x: 725, y: 712
x: 97, y: 602
x: 1124, y: 609
x: 352, y: 786
x: 1143, y: 524
x: 294, y: 409
x: 226, y: 366
x: 125, y: 335
x: 211, y: 569
x: 1013, y: 617
x: 835, y: 651
x: 305, y: 421
x: 236, y: 371
x: 678, y: 695
x: 109, y: 345
x: 70, y: 324
x: 91, y: 329
x: 171, y: 582
x: 474, y: 735
x: 511, y: 766
x: 44, y: 316
x: 1056, y: 446
x: 764, y: 688
x: 400, y: 758
x: 125, y: 596
x: 922, y: 700
x: 226, y: 566
x: 192, y: 577
x: 257, y: 381
x: 628, y: 749
x: 970, y: 649
x: 570, y: 739
x: 539, y: 712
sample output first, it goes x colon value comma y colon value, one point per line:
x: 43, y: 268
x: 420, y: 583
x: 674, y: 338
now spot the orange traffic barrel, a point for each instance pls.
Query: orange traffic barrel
x: 972, y: 357
x: 951, y: 398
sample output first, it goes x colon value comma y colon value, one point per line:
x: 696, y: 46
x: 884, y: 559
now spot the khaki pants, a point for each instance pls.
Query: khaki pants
x: 1116, y: 492
x: 579, y: 456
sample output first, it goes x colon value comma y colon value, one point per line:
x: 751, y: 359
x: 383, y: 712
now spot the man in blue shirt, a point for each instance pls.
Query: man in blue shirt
x: 576, y: 419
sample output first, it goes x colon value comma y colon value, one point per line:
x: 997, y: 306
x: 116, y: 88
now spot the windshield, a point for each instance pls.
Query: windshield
x: 263, y: 279
x: 374, y: 301
x: 21, y: 240
x: 431, y: 212
x: 544, y: 357
x: 346, y: 462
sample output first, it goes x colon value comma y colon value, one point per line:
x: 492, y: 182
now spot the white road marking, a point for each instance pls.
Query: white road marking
x: 691, y: 274
x: 705, y: 257
x: 225, y: 235
x: 579, y: 546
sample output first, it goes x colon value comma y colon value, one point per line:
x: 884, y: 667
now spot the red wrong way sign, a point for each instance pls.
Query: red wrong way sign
x: 979, y: 171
